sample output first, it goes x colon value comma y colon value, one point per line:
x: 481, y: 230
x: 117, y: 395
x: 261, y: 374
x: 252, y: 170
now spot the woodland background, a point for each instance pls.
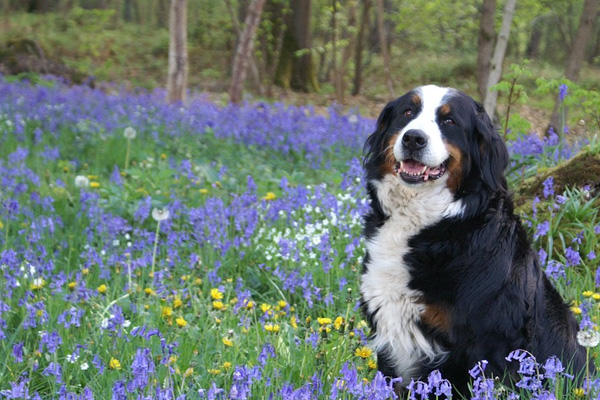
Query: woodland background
x: 314, y: 51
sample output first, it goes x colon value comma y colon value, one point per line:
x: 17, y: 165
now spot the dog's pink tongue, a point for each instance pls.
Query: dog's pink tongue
x: 412, y: 166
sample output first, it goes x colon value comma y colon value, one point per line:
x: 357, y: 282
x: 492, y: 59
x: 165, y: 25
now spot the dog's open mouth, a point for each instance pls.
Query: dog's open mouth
x: 412, y: 171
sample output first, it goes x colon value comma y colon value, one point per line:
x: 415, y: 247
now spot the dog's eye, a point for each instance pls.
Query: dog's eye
x: 448, y: 121
x: 408, y: 113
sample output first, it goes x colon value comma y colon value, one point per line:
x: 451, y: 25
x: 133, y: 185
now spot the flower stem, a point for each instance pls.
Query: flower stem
x: 155, y: 247
x: 127, y: 153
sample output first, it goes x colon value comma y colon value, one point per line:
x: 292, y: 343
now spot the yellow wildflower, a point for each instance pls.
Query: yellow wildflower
x: 272, y: 328
x: 102, y: 289
x: 324, y: 321
x: 167, y: 311
x: 294, y: 322
x: 337, y: 324
x: 250, y: 305
x: 214, y: 371
x: 363, y: 352
x: 372, y: 364
x: 216, y: 294
x: 218, y: 305
x: 188, y: 372
x: 596, y: 296
x: 264, y: 307
x: 588, y: 293
x: 226, y: 365
x: 177, y: 303
x: 203, y: 191
x: 578, y: 392
x: 94, y: 184
x: 72, y: 285
x: 270, y: 196
x: 37, y: 284
x: 227, y: 342
x: 197, y: 281
x: 576, y: 310
x: 114, y: 363
x: 181, y: 322
x: 149, y: 291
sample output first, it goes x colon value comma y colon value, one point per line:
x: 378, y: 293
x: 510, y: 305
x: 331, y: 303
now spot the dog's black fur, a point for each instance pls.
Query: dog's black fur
x: 479, y: 278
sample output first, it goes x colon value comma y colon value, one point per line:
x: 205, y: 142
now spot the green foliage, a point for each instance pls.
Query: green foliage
x: 515, y: 93
x: 583, y: 104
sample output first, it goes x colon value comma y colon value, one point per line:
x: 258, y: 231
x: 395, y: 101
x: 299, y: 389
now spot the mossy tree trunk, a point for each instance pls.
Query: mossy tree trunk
x: 296, y: 71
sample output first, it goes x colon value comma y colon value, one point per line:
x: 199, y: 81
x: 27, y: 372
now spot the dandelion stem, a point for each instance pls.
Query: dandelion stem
x: 155, y: 247
x: 127, y: 153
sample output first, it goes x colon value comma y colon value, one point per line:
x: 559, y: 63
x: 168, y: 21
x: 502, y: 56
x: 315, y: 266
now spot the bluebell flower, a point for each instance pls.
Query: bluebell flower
x: 563, y: 90
x: 18, y: 390
x: 548, y: 187
x: 17, y: 352
x: 53, y: 369
x: 542, y: 229
x: 573, y: 258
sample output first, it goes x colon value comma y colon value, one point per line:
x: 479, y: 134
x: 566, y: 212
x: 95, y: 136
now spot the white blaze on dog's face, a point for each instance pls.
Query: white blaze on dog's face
x: 419, y: 148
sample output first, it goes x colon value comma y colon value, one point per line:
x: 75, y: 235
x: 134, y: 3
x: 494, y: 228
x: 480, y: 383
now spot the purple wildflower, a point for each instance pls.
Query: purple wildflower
x: 542, y: 229
x: 17, y: 390
x: 53, y: 369
x: 563, y: 90
x: 573, y: 258
x: 548, y: 187
x: 17, y: 352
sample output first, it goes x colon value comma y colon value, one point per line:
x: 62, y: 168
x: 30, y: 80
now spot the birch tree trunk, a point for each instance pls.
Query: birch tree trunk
x: 384, y: 49
x: 485, y: 45
x: 244, y: 50
x: 491, y: 96
x: 178, y: 54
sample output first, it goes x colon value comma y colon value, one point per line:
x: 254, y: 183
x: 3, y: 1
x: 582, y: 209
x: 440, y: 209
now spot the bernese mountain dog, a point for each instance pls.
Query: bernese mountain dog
x: 450, y: 277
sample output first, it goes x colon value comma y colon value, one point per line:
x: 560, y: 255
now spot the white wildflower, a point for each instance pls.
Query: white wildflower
x: 160, y: 214
x: 129, y: 133
x: 588, y: 338
x: 82, y: 181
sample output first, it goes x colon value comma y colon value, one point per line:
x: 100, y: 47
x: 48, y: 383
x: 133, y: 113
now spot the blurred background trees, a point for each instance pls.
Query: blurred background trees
x: 338, y: 49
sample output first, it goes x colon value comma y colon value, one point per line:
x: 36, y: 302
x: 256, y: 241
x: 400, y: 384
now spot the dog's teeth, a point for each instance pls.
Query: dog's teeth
x: 424, y: 169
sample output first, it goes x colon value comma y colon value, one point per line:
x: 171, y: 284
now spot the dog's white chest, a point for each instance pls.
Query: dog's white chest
x: 385, y: 284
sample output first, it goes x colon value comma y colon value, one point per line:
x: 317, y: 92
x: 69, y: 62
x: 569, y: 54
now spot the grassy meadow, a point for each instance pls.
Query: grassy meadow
x: 214, y: 252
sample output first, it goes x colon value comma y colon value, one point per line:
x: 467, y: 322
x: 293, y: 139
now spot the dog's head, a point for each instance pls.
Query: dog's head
x: 437, y: 136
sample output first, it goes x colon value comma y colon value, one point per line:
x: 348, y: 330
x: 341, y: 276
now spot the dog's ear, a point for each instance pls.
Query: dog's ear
x: 489, y: 154
x: 374, y: 145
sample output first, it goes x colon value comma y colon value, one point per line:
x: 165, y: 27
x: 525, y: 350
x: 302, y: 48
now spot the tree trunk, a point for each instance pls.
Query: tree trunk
x: 582, y: 38
x: 533, y: 47
x: 293, y: 71
x: 485, y: 44
x: 384, y: 49
x: 337, y: 79
x: 161, y: 14
x: 178, y: 54
x: 491, y: 96
x: 244, y: 50
x: 358, y: 61
x: 577, y: 52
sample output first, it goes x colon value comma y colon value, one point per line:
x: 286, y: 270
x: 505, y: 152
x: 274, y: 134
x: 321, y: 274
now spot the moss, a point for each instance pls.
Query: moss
x: 581, y: 170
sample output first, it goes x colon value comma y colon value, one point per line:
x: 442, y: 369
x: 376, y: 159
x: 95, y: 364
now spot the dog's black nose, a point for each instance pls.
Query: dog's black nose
x: 414, y: 139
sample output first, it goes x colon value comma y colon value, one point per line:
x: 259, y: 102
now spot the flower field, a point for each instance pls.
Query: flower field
x: 205, y: 252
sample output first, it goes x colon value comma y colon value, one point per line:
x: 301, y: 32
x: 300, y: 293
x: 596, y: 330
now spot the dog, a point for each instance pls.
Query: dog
x: 449, y: 277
